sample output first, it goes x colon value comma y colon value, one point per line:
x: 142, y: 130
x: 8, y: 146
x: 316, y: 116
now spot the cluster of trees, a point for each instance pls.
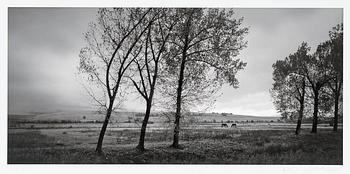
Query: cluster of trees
x: 181, y: 55
x: 311, y: 82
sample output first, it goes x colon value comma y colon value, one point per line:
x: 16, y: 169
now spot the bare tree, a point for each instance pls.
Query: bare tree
x: 147, y: 66
x: 111, y: 40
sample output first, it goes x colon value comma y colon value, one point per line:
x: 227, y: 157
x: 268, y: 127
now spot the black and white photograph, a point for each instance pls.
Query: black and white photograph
x: 190, y: 85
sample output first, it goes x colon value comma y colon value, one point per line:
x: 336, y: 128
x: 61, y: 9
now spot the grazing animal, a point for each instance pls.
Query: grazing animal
x: 234, y: 125
x: 224, y: 125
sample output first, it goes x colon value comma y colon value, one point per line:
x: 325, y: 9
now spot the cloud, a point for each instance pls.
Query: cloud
x: 43, y: 53
x: 51, y: 29
x: 44, y: 43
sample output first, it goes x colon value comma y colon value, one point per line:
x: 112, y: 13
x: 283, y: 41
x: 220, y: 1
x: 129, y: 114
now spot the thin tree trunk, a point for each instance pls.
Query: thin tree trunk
x: 141, y: 145
x: 297, y: 131
x: 335, y: 121
x: 180, y: 84
x: 104, y: 127
x: 301, y: 110
x: 178, y: 104
x: 315, y: 118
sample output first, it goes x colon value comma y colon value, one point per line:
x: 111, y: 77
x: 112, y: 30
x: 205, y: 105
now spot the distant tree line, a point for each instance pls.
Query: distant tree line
x: 177, y: 58
x: 307, y: 82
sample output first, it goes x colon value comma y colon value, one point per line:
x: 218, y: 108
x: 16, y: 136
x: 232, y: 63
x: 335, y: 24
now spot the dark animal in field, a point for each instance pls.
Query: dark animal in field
x: 234, y: 125
x: 224, y: 125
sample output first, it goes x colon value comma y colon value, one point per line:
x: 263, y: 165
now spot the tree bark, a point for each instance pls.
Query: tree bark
x: 180, y: 84
x: 178, y: 104
x: 104, y: 127
x: 141, y: 145
x: 297, y: 131
x: 301, y: 110
x: 335, y: 121
x: 315, y: 118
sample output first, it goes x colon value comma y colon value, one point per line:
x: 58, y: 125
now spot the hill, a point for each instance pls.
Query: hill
x: 125, y: 116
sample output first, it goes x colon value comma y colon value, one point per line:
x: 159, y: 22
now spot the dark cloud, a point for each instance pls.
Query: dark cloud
x: 49, y: 29
x: 43, y: 50
x: 43, y: 47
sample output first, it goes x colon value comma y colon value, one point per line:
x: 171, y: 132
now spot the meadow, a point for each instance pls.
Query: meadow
x: 201, y: 143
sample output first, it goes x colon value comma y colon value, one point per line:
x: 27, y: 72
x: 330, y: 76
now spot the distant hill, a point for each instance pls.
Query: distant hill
x: 218, y: 117
x: 125, y: 116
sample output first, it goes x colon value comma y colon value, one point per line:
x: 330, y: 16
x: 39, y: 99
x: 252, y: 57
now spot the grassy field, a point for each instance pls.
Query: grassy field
x: 199, y: 146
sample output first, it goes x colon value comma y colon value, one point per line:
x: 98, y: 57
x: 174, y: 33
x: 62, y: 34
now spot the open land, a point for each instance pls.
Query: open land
x: 32, y: 140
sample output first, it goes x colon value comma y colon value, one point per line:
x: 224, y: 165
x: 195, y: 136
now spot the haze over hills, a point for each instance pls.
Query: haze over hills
x: 77, y: 115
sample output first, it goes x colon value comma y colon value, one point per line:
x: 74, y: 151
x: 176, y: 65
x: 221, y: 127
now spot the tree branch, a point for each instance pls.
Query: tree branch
x: 138, y: 89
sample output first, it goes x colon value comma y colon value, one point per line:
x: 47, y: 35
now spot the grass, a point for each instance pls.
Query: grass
x: 207, y: 146
x: 29, y: 139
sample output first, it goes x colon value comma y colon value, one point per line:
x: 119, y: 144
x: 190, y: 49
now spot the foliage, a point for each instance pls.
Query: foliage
x: 288, y: 89
x: 322, y: 69
x: 207, y: 42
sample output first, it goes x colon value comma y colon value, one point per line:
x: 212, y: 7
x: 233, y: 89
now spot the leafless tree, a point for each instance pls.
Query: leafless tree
x: 106, y: 59
x: 148, y: 65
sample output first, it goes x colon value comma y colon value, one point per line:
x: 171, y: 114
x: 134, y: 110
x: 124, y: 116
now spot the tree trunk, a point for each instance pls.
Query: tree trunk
x: 141, y: 145
x: 301, y: 110
x: 335, y: 121
x: 178, y: 104
x: 180, y: 83
x: 104, y: 127
x: 297, y: 131
x: 315, y: 118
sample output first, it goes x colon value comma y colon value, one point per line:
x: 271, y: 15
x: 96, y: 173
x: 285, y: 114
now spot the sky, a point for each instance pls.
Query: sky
x: 44, y: 44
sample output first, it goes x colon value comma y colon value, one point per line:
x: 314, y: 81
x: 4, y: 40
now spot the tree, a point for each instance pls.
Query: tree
x: 289, y: 84
x: 108, y: 54
x: 208, y: 39
x: 199, y: 92
x: 283, y: 103
x: 318, y: 74
x: 147, y: 66
x: 326, y: 102
x: 322, y: 69
x: 336, y: 63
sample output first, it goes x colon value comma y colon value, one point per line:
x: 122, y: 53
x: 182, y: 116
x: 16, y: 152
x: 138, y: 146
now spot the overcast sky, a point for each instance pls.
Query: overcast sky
x: 44, y: 43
